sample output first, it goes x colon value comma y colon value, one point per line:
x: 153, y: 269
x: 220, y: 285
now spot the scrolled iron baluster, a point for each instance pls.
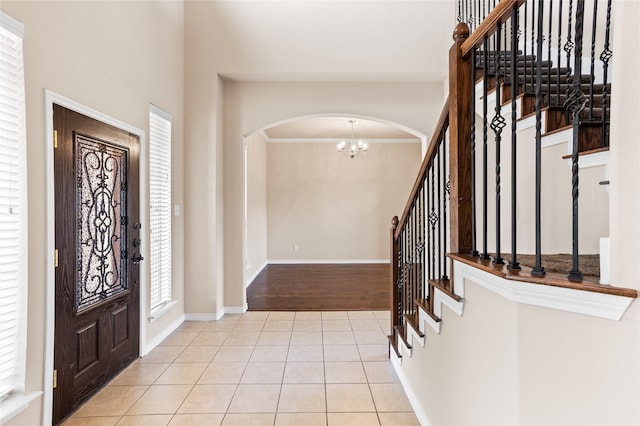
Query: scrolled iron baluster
x: 497, y: 124
x: 433, y: 219
x: 568, y: 47
x: 485, y: 131
x: 575, y: 104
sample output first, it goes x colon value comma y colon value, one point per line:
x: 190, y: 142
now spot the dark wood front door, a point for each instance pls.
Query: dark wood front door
x: 97, y: 233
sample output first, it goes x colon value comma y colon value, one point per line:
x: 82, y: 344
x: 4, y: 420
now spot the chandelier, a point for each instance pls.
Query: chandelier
x: 353, y: 148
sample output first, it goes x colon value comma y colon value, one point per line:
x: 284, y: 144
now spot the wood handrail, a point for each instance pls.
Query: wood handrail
x: 443, y: 122
x: 501, y: 13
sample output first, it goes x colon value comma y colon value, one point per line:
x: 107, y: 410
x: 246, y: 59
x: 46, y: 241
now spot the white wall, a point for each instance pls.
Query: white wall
x: 115, y: 58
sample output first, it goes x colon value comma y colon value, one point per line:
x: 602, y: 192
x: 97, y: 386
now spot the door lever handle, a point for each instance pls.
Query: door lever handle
x: 137, y: 258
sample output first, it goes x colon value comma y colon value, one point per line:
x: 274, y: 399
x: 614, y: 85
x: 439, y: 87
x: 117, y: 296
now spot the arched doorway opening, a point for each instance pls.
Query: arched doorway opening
x: 305, y: 203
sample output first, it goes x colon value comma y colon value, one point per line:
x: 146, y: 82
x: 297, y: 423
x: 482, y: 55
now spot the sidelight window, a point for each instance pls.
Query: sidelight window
x: 160, y: 206
x: 13, y: 220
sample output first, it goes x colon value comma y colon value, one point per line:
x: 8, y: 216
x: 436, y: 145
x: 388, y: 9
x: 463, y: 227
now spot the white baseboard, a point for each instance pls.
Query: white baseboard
x: 236, y: 309
x: 413, y: 399
x: 203, y: 317
x: 324, y: 261
x: 161, y: 336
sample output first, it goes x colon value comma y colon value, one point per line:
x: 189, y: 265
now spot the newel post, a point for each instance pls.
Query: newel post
x: 460, y: 84
x: 394, y: 274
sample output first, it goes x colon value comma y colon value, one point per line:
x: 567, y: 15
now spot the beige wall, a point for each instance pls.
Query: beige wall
x: 256, y: 206
x: 115, y: 58
x: 332, y: 207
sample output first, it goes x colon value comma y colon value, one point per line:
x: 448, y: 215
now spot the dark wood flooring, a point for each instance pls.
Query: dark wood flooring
x: 320, y: 287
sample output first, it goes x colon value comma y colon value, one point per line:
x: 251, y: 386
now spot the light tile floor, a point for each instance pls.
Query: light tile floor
x: 261, y: 368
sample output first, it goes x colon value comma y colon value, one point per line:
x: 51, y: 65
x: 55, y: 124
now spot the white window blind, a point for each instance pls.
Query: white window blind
x: 160, y: 205
x: 13, y: 209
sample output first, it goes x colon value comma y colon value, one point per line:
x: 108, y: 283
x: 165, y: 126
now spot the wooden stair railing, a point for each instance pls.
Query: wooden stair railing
x: 440, y: 220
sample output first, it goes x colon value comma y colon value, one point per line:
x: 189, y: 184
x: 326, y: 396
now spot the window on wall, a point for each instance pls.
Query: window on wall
x: 160, y: 205
x: 13, y: 216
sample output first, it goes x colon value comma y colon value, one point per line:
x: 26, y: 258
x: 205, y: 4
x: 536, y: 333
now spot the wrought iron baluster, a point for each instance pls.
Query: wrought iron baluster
x: 605, y: 56
x: 485, y: 131
x: 439, y: 210
x: 412, y: 290
x: 433, y: 218
x: 474, y: 224
x: 538, y: 270
x: 399, y: 284
x: 427, y: 213
x: 514, y: 138
x: 497, y: 124
x: 524, y: 42
x: 559, y: 64
x: 423, y: 240
x: 592, y: 73
x: 575, y: 105
x: 536, y: 59
x: 568, y: 47
x: 550, y: 33
x: 445, y: 196
x: 459, y: 18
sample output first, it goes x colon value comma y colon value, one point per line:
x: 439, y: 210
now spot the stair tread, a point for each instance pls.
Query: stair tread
x: 446, y: 286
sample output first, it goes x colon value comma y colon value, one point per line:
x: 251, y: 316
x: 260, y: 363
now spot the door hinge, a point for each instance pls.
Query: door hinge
x: 55, y: 379
x: 55, y: 258
x: 55, y: 139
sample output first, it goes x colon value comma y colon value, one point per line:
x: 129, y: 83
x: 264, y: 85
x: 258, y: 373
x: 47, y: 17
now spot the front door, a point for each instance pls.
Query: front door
x: 97, y: 233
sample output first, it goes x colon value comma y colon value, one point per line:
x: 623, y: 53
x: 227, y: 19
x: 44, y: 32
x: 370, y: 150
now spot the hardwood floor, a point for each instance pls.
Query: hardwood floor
x: 320, y: 287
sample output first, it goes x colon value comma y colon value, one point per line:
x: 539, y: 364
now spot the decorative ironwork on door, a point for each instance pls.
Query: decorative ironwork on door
x: 101, y: 204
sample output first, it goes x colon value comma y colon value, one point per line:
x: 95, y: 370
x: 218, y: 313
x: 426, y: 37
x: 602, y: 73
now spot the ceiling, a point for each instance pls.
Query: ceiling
x: 335, y: 128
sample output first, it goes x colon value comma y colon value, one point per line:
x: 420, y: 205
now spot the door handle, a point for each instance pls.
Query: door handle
x: 137, y: 258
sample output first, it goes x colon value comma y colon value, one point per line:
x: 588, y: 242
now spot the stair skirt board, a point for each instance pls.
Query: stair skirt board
x: 576, y: 301
x: 411, y: 396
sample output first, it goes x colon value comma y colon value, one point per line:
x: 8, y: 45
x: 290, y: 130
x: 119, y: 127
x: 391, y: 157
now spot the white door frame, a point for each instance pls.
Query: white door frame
x: 50, y: 309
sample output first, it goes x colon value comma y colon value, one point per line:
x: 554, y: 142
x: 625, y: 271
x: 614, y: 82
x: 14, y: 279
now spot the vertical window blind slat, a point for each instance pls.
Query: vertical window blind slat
x: 13, y: 209
x: 160, y: 206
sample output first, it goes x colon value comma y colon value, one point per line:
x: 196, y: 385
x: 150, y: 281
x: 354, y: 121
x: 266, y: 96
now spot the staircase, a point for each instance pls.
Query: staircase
x: 507, y: 100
